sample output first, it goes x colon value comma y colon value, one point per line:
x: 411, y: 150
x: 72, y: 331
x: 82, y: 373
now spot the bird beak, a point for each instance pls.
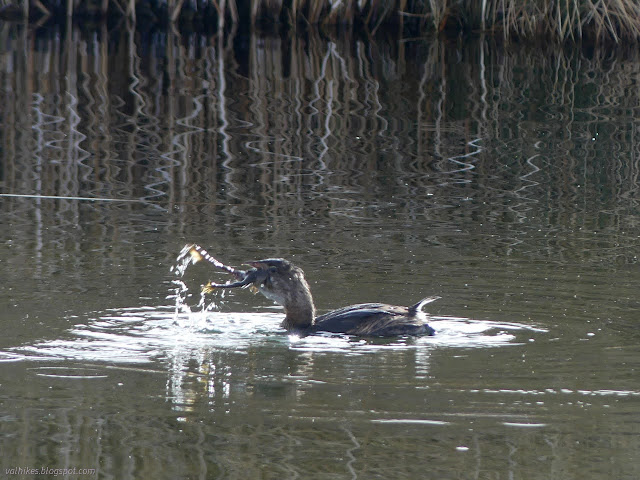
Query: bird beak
x: 251, y: 277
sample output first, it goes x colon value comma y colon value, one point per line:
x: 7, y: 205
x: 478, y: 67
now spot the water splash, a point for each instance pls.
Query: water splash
x: 181, y: 291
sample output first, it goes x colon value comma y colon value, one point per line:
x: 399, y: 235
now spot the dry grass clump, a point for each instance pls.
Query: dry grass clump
x: 564, y: 20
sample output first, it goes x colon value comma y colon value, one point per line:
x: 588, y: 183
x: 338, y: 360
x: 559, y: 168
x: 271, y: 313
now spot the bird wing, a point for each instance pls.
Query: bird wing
x: 369, y: 319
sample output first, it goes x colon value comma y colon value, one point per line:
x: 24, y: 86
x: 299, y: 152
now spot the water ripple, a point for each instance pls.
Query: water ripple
x: 145, y: 334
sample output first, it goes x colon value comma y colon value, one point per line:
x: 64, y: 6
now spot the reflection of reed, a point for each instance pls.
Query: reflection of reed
x: 305, y: 126
x: 259, y: 428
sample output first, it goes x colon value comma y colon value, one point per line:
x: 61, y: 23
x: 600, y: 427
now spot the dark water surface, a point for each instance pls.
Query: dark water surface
x: 505, y: 180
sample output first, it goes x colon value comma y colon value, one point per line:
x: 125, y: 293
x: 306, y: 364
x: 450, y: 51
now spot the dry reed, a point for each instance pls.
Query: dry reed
x: 567, y: 20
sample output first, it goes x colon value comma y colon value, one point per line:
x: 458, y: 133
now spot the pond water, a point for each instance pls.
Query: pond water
x: 502, y: 178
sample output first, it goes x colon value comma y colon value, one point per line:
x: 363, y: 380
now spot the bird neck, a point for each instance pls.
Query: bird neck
x: 299, y: 309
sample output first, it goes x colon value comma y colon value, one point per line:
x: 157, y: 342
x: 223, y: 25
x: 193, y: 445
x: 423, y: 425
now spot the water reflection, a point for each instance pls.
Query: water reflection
x: 196, y: 345
x: 327, y: 129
